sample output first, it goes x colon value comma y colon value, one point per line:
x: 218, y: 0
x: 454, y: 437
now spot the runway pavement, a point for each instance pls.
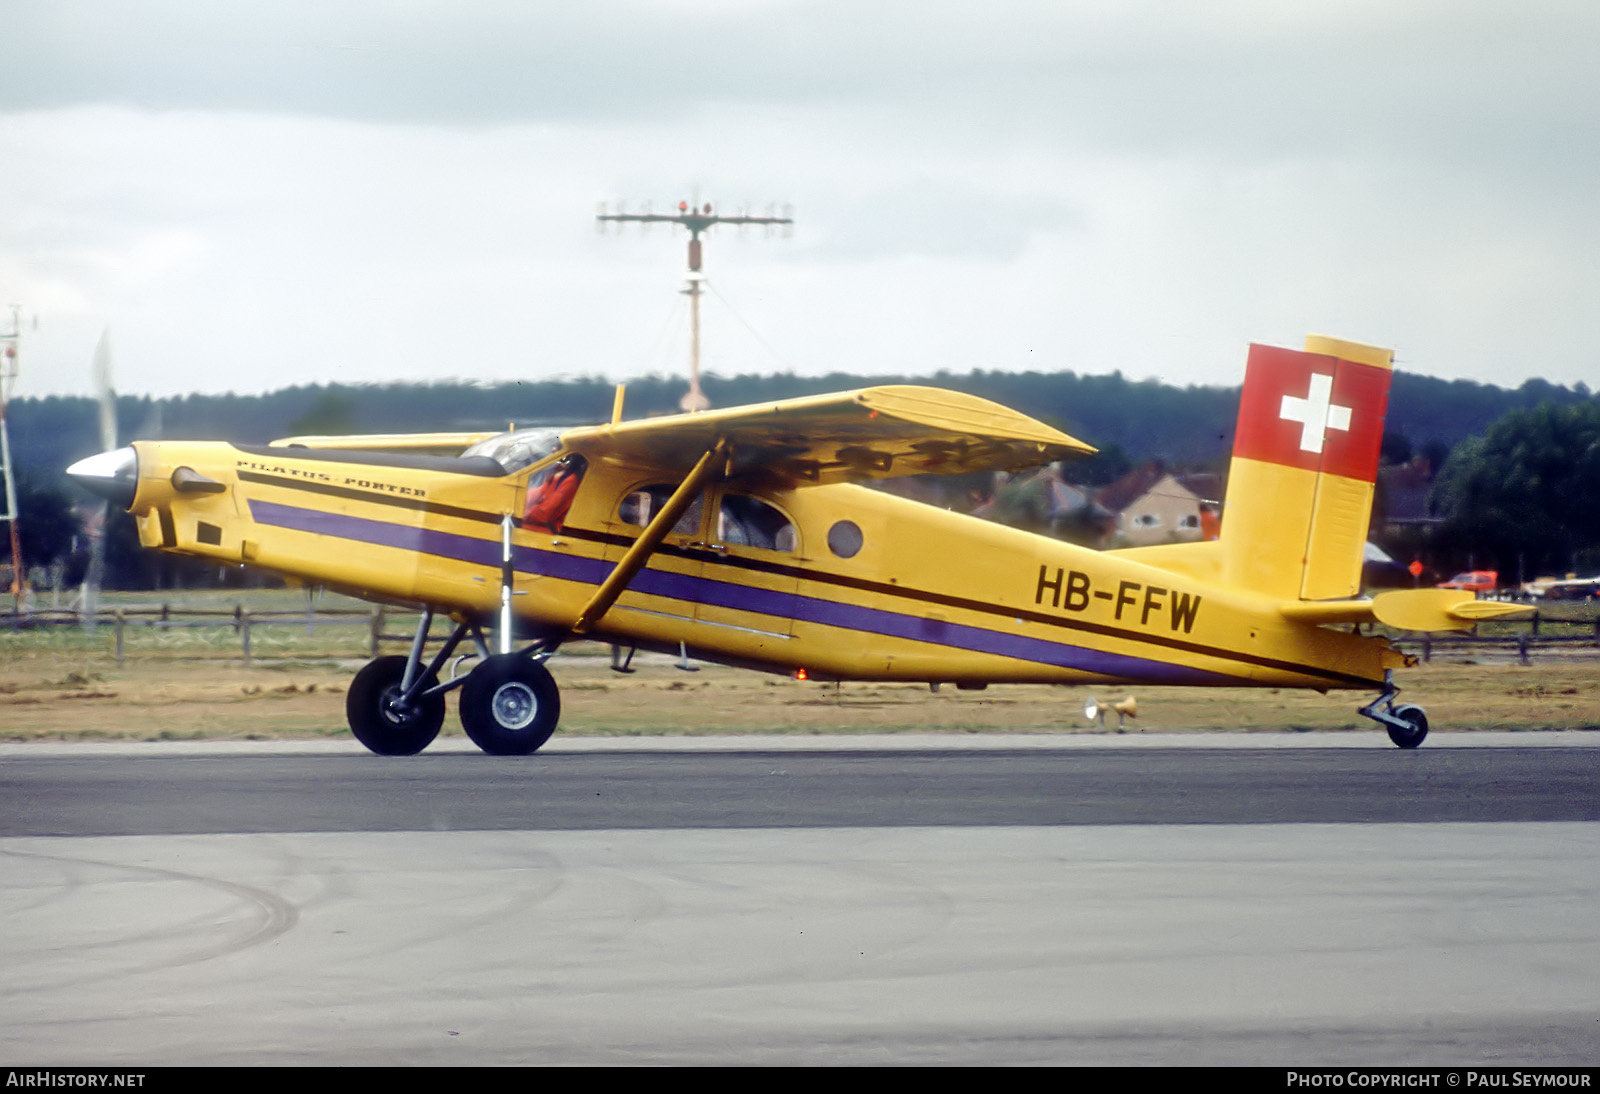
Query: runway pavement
x: 1154, y: 901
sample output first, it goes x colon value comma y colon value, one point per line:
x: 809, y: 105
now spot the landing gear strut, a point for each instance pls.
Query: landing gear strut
x: 1407, y: 724
x: 509, y: 702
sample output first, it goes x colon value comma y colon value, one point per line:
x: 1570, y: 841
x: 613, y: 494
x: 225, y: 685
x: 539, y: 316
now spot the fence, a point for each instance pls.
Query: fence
x: 245, y: 623
x: 1522, y: 639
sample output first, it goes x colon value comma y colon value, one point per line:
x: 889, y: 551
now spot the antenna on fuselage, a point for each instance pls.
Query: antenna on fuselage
x: 696, y: 220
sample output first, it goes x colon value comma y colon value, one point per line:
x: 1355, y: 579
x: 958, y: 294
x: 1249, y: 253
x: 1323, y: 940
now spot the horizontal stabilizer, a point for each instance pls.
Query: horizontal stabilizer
x: 853, y: 436
x: 1476, y: 610
x: 1406, y: 610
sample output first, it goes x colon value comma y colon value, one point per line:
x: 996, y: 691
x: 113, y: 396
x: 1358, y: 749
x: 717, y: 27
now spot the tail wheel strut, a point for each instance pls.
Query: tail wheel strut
x: 1407, y: 723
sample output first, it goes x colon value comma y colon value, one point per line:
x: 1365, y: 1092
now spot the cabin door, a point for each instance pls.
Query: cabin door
x: 668, y: 588
x: 750, y: 575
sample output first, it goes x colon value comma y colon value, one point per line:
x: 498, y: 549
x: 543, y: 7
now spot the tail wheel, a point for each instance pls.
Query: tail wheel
x: 379, y: 722
x: 1416, y: 727
x: 510, y: 705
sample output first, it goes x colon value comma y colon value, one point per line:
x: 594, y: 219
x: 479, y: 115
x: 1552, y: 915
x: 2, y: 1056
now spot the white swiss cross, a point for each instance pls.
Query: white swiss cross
x: 1315, y: 413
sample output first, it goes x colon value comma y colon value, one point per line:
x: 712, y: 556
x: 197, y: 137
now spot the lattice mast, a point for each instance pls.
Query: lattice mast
x: 696, y: 220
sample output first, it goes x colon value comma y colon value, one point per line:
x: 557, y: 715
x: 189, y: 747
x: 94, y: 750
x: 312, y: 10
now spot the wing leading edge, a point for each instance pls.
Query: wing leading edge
x: 852, y: 436
x: 422, y: 444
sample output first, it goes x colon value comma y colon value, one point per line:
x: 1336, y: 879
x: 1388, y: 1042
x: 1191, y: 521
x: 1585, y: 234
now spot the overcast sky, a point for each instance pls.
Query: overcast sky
x: 252, y: 195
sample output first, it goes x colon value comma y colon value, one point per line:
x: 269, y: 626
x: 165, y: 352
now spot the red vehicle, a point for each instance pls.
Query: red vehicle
x: 1477, y: 581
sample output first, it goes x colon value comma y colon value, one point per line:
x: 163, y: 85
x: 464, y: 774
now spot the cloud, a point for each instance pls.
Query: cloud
x: 1099, y: 64
x: 259, y: 194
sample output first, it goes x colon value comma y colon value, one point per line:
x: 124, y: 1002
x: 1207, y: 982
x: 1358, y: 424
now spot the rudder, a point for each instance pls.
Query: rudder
x: 1305, y: 458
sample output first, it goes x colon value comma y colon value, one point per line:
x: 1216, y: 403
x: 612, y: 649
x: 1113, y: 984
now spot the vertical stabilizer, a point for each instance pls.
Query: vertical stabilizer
x: 1305, y: 457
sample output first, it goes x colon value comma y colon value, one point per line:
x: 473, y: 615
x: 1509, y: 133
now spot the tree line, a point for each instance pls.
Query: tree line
x: 1537, y: 511
x: 1146, y: 418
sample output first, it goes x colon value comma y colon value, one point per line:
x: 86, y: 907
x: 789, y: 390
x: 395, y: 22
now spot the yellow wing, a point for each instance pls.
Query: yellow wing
x: 421, y: 444
x: 851, y: 436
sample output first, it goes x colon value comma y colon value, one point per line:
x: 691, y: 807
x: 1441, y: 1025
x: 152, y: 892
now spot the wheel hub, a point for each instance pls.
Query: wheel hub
x: 514, y: 705
x: 394, y: 707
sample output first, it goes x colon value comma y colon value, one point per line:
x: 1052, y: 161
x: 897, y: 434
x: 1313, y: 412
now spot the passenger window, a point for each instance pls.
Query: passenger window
x: 638, y: 507
x: 750, y: 522
x: 845, y: 539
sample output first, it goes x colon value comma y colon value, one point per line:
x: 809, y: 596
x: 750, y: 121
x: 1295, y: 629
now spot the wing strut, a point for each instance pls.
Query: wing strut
x: 632, y: 562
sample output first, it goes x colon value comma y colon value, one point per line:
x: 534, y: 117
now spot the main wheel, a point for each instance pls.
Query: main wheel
x: 510, y: 705
x: 1417, y: 726
x: 376, y: 719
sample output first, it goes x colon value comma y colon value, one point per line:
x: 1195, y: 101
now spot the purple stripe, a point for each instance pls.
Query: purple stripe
x: 723, y: 594
x: 981, y: 640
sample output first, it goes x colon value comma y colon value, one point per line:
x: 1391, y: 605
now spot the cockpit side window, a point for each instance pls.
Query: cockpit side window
x: 550, y: 492
x: 639, y: 506
x: 750, y: 522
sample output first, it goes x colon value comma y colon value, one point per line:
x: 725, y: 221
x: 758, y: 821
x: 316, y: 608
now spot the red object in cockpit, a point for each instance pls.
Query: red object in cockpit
x: 550, y: 494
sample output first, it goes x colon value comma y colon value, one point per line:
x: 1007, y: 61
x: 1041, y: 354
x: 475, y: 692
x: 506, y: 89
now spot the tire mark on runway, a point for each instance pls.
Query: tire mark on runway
x: 264, y: 917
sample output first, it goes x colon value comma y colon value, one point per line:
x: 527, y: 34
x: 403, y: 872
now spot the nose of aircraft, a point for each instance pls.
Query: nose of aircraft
x: 113, y: 475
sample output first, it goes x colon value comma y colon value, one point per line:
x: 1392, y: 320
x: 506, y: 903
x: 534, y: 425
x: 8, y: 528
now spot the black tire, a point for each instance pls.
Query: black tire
x: 510, y: 705
x: 374, y: 720
x: 1417, y: 721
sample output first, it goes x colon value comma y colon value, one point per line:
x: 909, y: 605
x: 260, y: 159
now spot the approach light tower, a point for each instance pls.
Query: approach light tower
x: 697, y: 221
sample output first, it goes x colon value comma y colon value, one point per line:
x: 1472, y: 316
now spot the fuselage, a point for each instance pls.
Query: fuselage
x: 837, y: 581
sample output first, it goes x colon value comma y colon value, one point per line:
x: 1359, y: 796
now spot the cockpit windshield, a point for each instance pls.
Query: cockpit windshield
x: 519, y: 448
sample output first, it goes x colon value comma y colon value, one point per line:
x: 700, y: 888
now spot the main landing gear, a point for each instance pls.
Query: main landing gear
x: 510, y: 705
x: 383, y: 719
x: 1407, y: 724
x: 509, y: 702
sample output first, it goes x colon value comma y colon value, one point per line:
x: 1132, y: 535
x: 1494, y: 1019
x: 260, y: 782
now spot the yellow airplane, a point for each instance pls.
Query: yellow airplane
x: 742, y: 536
